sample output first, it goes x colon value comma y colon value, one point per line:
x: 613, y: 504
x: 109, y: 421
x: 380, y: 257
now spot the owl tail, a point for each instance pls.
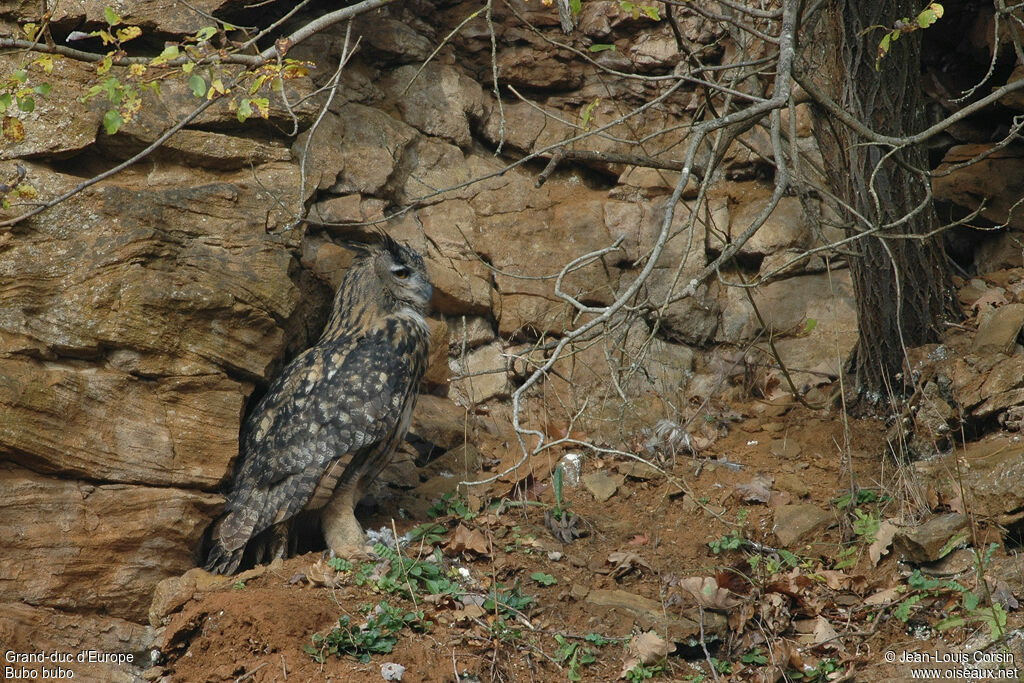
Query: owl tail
x: 224, y: 558
x: 223, y: 561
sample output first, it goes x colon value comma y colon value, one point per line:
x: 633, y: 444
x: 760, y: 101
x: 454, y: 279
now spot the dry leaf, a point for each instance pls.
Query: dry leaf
x: 645, y: 648
x: 464, y: 539
x: 322, y: 574
x: 793, y: 583
x: 1002, y: 594
x: 884, y: 596
x: 824, y: 634
x: 883, y: 539
x: 757, y: 491
x: 835, y: 579
x: 624, y: 561
x: 639, y: 539
x: 708, y: 594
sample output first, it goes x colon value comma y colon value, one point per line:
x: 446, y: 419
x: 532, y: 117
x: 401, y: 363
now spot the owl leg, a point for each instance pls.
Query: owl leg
x: 341, y: 530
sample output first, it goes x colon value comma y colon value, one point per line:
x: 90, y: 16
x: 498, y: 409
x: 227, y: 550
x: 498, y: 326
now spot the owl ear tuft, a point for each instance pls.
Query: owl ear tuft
x: 360, y: 248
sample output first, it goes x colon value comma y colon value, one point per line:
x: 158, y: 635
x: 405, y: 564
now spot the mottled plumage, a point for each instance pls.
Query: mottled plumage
x: 331, y: 421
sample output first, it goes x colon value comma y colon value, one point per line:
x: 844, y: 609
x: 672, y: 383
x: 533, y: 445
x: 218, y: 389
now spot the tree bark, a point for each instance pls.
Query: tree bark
x: 901, y: 279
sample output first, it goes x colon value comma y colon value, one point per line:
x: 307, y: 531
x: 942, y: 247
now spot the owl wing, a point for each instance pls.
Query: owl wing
x: 330, y: 409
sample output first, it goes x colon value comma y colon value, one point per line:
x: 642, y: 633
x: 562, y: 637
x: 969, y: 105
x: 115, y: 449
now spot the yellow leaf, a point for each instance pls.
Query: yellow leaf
x: 45, y: 61
x: 128, y: 33
x: 13, y: 129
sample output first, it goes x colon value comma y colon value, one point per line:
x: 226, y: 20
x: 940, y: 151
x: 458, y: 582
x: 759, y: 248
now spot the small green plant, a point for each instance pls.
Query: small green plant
x: 521, y: 541
x: 755, y: 656
x: 733, y: 540
x: 339, y: 564
x: 507, y: 601
x: 451, y: 504
x: 407, y: 576
x: 992, y: 616
x: 573, y: 655
x: 722, y: 666
x: 429, y: 533
x: 818, y: 674
x: 377, y: 636
x: 643, y: 672
x: 238, y: 585
x: 650, y: 11
x: 543, y: 579
x: 862, y: 497
x: 558, y: 481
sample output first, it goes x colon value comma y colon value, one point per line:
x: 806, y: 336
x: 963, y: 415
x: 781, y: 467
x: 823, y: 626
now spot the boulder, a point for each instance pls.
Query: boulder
x: 933, y: 539
x: 24, y: 628
x: 785, y: 228
x: 999, y: 330
x: 81, y: 547
x: 991, y: 470
x: 355, y: 149
x: 998, y: 180
x: 168, y: 273
x: 794, y: 523
x: 103, y: 424
x: 788, y: 305
x: 481, y: 375
x: 438, y: 100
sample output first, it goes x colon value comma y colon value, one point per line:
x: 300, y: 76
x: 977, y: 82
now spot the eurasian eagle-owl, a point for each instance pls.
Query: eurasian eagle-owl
x: 333, y: 418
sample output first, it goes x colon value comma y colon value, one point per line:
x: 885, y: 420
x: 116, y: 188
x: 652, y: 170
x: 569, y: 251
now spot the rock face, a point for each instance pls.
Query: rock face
x: 141, y: 315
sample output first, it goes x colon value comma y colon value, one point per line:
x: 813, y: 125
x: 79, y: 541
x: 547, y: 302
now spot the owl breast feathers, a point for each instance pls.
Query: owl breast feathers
x: 333, y: 418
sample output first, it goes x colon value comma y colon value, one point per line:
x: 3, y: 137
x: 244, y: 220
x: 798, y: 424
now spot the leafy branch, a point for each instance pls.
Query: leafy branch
x: 928, y: 16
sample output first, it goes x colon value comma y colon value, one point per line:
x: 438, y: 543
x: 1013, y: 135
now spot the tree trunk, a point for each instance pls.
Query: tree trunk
x: 903, y: 285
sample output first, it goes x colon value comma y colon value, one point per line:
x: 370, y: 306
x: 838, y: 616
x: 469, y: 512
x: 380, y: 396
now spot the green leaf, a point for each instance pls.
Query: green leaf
x: 111, y: 16
x: 245, y: 111
x: 601, y: 47
x: 26, y: 104
x: 651, y: 12
x: 930, y: 15
x: 197, y: 85
x: 42, y: 89
x: 950, y: 622
x: 20, y: 75
x: 5, y: 101
x: 112, y: 121
x: 883, y: 48
x: 575, y: 6
x: 811, y: 324
x: 544, y: 579
x: 170, y: 52
x: 588, y: 112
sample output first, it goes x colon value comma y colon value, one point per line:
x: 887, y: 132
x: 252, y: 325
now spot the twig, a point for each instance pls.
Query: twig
x: 250, y: 674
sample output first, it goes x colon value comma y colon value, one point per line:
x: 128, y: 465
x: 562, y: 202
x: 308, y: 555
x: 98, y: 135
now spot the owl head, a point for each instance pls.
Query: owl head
x: 398, y: 270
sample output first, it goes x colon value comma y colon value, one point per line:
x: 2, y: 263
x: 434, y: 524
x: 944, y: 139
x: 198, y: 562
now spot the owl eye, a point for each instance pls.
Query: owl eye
x: 401, y: 272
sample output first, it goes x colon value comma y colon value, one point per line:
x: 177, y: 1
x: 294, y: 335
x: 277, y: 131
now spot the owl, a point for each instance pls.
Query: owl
x: 331, y: 421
